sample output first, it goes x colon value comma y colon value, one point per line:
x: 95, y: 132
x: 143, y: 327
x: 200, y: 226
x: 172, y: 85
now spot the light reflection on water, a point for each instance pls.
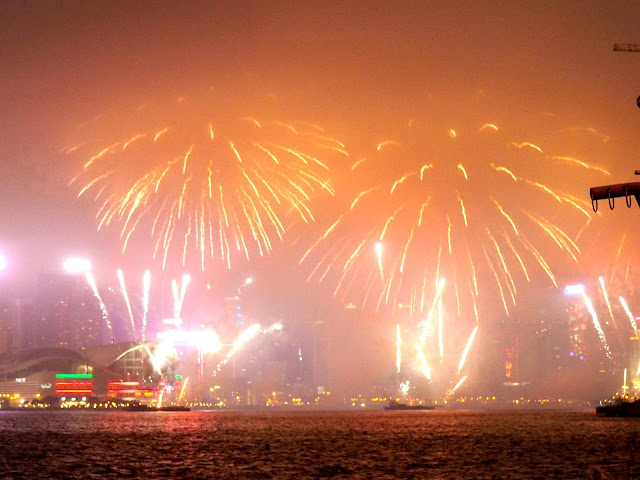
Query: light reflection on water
x: 377, y: 445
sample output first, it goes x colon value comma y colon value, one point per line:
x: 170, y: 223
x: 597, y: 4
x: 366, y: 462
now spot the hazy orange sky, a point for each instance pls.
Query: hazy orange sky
x: 360, y: 68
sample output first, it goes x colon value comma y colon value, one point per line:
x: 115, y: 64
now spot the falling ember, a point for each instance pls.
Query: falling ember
x: 204, y: 189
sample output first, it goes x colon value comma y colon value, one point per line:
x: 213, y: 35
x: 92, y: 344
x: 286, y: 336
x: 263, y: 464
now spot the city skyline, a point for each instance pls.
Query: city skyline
x: 322, y: 119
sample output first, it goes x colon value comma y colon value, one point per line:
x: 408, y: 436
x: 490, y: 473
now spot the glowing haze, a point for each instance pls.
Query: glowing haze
x: 473, y: 131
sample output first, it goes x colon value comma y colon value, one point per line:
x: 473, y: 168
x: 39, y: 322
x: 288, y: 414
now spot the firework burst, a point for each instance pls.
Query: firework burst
x: 205, y: 186
x: 473, y: 206
x: 468, y: 206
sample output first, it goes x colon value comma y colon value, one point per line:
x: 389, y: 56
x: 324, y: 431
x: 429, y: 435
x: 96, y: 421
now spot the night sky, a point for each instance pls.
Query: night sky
x: 361, y: 69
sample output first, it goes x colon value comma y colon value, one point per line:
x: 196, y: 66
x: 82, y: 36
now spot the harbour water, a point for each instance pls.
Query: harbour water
x: 292, y: 445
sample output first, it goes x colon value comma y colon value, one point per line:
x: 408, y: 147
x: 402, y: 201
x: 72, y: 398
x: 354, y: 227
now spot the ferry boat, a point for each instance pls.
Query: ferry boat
x: 393, y: 405
x: 148, y: 408
x: 619, y: 407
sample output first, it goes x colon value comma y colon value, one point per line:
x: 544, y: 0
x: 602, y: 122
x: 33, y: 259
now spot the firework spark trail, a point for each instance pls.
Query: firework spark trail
x: 458, y: 385
x: 618, y: 255
x: 155, y: 363
x: 440, y: 330
x: 123, y: 288
x: 176, y: 298
x: 465, y: 352
x: 203, y: 192
x: 105, y: 314
x: 184, y: 386
x: 186, y: 279
x: 606, y: 299
x: 178, y: 294
x: 379, y: 248
x: 596, y: 324
x: 439, y: 291
x: 146, y: 284
x: 404, y: 387
x: 632, y: 320
x: 398, y: 348
x: 244, y: 337
x: 423, y: 362
x: 162, y: 355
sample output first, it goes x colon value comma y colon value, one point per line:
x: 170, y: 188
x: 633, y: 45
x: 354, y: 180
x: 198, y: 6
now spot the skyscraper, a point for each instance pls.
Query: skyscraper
x: 65, y: 314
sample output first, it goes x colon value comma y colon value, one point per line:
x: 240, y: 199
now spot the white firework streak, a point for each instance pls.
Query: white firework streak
x: 123, y: 287
x: 463, y: 358
x: 146, y: 282
x: 596, y: 324
x: 632, y: 320
x: 244, y: 337
x: 105, y: 314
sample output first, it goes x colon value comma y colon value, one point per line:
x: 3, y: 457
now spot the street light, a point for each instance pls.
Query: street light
x: 3, y: 262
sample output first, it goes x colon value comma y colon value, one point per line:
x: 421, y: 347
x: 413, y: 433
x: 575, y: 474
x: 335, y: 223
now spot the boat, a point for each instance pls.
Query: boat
x: 148, y: 408
x: 619, y: 407
x: 393, y: 405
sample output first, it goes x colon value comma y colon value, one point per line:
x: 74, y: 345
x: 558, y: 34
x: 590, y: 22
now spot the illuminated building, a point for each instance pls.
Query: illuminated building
x: 511, y: 361
x: 6, y: 329
x: 634, y: 362
x: 31, y: 373
x: 65, y: 314
x: 74, y: 384
x: 577, y: 321
x: 320, y: 357
x: 58, y: 372
x: 233, y: 316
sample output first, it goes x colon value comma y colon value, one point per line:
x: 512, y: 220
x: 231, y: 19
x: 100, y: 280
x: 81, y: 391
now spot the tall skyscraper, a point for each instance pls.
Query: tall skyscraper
x: 65, y: 314
x: 6, y: 329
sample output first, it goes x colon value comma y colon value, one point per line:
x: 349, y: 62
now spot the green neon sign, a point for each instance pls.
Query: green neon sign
x: 74, y: 375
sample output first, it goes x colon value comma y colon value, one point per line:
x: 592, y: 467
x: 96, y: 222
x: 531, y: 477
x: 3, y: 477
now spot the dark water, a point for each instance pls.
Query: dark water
x: 371, y: 445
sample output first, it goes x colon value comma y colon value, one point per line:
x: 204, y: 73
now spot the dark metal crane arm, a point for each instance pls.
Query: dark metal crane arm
x: 610, y: 192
